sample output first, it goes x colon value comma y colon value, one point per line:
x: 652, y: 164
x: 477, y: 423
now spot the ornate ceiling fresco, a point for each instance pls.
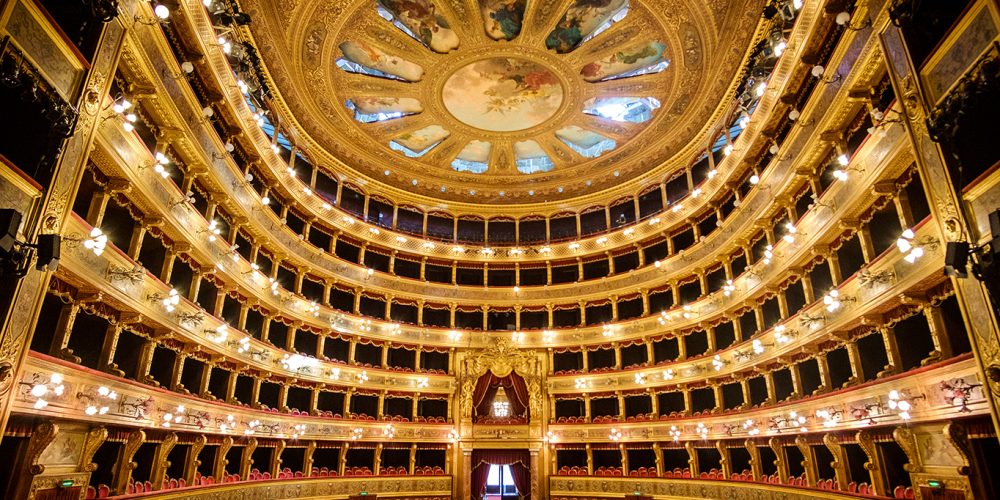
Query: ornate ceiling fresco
x: 501, y: 101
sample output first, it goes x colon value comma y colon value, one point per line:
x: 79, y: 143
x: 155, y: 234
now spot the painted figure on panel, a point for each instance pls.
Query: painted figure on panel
x: 423, y: 21
x: 503, y: 18
x: 582, y: 18
x: 503, y: 94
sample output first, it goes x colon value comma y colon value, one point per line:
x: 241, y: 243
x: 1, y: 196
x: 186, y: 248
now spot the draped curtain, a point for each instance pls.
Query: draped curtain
x: 520, y: 469
x: 514, y: 386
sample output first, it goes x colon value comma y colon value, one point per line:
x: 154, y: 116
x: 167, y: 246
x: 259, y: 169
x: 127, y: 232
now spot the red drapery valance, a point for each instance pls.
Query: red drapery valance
x: 513, y: 384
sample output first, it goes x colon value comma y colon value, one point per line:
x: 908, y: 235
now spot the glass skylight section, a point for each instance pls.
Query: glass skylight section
x: 474, y: 158
x: 371, y: 117
x: 388, y: 16
x: 588, y: 144
x: 534, y: 165
x: 618, y: 16
x: 655, y: 68
x: 583, y: 20
x: 622, y: 109
x: 376, y: 109
x: 353, y: 67
x: 418, y: 143
x: 531, y: 158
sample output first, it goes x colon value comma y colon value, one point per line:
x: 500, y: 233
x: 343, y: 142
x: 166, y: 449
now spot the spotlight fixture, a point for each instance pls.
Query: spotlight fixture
x: 983, y: 259
x: 15, y: 256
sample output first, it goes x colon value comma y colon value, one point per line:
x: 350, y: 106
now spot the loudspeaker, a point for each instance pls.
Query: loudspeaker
x: 48, y: 252
x: 10, y: 221
x: 956, y: 259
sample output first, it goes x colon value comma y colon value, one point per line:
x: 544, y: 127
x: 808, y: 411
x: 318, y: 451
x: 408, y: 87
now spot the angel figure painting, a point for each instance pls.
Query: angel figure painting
x: 503, y: 94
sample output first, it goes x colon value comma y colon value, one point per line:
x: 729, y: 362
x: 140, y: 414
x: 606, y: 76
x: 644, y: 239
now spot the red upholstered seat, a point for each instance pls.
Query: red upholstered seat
x: 91, y: 492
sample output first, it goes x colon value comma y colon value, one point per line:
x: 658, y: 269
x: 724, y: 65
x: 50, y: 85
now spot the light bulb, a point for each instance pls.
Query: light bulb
x: 818, y: 70
x: 161, y: 11
x: 843, y: 18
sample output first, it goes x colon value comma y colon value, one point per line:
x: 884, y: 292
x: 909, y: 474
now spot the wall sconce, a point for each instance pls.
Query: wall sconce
x: 809, y: 321
x: 793, y: 421
x: 790, y: 232
x: 212, y: 230
x: 96, y: 241
x: 833, y: 300
x: 161, y: 15
x: 902, y: 403
x: 134, y: 275
x: 98, y: 400
x: 702, y: 430
x: 219, y: 334
x: 817, y: 204
x: 718, y: 363
x: 674, y: 433
x: 869, y: 279
x: 192, y: 319
x: 794, y: 116
x: 251, y: 427
x: 958, y: 392
x: 728, y: 288
x: 160, y: 166
x: 227, y: 424
x: 819, y: 71
x: 843, y: 19
x: 298, y: 363
x: 913, y: 247
x: 174, y: 417
x: 40, y: 390
x: 187, y: 199
x: 830, y: 418
x: 782, y: 335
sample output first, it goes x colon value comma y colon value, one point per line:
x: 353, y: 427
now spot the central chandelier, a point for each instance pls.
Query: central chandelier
x: 501, y: 405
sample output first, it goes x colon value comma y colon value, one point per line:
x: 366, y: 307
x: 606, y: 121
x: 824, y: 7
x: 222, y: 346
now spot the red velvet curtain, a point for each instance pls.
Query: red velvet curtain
x: 514, y: 386
x: 520, y: 469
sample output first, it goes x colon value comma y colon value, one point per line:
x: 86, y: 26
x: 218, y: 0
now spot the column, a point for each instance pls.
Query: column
x: 939, y: 331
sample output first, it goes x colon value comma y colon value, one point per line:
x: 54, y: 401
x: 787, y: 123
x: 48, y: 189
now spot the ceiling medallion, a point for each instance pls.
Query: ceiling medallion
x: 503, y: 94
x: 514, y: 100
